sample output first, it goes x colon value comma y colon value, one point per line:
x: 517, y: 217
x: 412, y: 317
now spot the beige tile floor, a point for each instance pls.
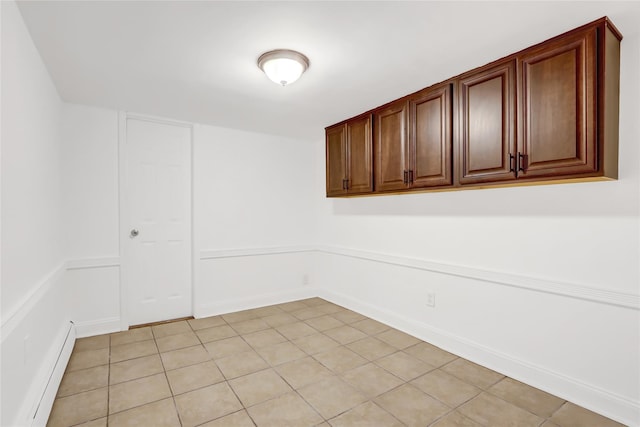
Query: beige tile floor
x: 303, y: 363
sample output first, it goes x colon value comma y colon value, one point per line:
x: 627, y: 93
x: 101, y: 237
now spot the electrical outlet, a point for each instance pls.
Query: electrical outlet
x: 431, y: 299
x: 305, y: 279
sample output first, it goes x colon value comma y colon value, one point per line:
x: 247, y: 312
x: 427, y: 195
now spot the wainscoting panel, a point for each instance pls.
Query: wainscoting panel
x: 33, y: 340
x: 572, y: 290
x: 574, y: 341
x: 232, y: 280
x: 94, y: 291
x: 585, y: 350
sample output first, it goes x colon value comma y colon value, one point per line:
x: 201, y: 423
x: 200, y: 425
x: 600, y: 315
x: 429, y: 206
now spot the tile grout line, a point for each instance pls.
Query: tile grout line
x: 302, y: 397
x: 242, y: 337
x: 270, y: 367
x: 225, y: 379
x: 74, y: 394
x: 544, y: 418
x: 146, y: 376
x: 560, y: 407
x: 403, y: 381
x: 232, y: 389
x: 135, y: 379
x: 335, y: 374
x: 58, y: 396
x: 166, y: 377
x: 109, y: 381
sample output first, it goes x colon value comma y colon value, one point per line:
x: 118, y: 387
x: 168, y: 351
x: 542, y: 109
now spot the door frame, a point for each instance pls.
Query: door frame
x: 123, y: 204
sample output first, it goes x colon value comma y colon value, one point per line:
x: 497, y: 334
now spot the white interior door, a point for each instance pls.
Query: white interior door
x: 157, y: 222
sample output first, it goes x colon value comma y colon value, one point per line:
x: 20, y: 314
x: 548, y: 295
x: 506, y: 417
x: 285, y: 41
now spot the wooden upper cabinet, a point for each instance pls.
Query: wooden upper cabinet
x: 390, y: 145
x: 359, y: 159
x: 348, y: 157
x: 336, y: 160
x: 486, y: 100
x: 430, y: 137
x: 547, y: 113
x: 412, y: 141
x: 558, y: 111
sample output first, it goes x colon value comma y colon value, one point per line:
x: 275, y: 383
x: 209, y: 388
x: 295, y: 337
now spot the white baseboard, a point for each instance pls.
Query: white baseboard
x: 256, y: 301
x: 598, y: 400
x: 98, y: 327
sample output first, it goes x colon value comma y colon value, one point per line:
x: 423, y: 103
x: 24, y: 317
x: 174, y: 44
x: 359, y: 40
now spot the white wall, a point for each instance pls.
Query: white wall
x: 31, y: 196
x: 251, y: 198
x: 540, y: 283
x: 251, y: 190
x: 90, y: 182
x: 253, y: 216
x: 34, y: 308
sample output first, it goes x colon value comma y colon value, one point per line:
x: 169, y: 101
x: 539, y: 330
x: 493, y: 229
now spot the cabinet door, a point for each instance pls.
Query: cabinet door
x: 430, y: 144
x: 390, y: 143
x: 559, y: 107
x: 487, y: 143
x: 336, y: 157
x: 359, y: 170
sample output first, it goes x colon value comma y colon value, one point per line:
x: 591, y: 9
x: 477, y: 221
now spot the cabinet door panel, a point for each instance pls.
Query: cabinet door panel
x: 559, y: 108
x: 430, y: 143
x: 336, y: 158
x: 360, y: 170
x: 487, y: 100
x: 391, y: 147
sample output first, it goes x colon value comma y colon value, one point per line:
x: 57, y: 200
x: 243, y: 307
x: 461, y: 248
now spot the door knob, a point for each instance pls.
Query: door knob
x: 134, y: 233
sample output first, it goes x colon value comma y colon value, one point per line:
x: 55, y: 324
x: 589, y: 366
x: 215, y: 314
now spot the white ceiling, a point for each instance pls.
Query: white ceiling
x: 196, y: 60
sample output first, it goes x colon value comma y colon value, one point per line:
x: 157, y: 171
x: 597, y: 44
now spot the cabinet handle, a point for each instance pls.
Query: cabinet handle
x: 511, y: 165
x: 411, y: 176
x: 345, y: 184
x: 406, y: 177
x: 522, y: 160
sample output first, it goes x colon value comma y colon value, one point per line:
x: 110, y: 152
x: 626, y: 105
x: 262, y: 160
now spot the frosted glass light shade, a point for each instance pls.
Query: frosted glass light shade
x: 283, y: 66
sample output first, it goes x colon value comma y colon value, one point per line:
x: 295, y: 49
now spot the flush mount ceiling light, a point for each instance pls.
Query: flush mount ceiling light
x: 283, y: 66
